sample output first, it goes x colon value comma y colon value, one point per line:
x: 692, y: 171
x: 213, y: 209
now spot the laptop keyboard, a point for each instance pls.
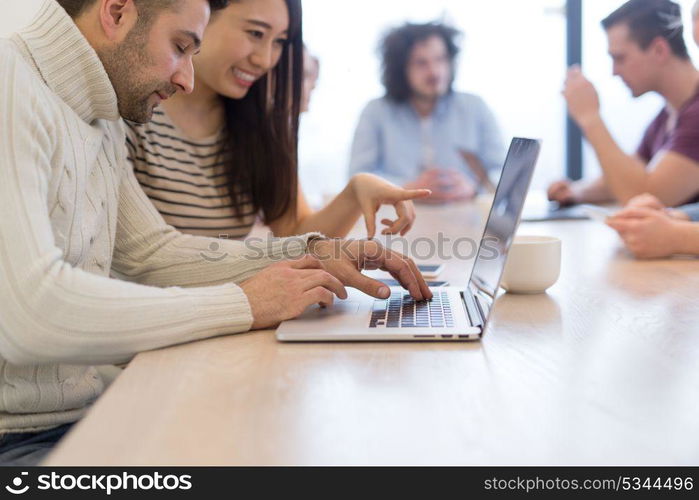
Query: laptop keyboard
x: 401, y: 311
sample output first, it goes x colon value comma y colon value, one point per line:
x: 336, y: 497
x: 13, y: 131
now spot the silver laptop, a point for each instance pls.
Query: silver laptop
x: 454, y: 314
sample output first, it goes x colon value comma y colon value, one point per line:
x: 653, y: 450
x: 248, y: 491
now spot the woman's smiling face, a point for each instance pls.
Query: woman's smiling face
x: 242, y: 43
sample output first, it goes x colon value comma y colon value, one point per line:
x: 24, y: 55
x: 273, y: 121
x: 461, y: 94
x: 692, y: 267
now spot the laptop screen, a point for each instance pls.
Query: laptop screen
x: 505, y: 215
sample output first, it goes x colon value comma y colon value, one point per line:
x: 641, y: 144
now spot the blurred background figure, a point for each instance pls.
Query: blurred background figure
x: 646, y: 44
x: 650, y: 229
x: 422, y: 134
x: 311, y: 73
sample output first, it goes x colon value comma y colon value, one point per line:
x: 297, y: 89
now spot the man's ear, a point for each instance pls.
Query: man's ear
x: 660, y: 48
x: 117, y: 18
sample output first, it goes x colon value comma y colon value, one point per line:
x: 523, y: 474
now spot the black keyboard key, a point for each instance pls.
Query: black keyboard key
x: 401, y: 310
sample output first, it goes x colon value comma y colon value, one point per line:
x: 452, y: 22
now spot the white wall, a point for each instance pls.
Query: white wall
x: 17, y: 13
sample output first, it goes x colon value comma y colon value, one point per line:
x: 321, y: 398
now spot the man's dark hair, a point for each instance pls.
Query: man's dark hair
x: 76, y: 7
x: 649, y: 19
x: 397, y: 46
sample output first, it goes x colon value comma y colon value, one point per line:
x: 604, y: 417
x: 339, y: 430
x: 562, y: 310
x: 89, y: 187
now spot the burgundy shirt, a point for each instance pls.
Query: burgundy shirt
x: 682, y: 139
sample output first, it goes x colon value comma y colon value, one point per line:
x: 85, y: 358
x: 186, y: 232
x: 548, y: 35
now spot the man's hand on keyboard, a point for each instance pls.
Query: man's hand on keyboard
x: 285, y: 289
x: 345, y: 259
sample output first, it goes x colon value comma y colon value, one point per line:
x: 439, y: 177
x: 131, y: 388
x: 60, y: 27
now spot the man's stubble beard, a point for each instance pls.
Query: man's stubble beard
x: 429, y: 97
x: 432, y: 95
x: 124, y: 65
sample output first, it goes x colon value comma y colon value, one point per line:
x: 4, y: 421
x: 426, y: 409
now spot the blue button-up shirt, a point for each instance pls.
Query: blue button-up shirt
x: 692, y: 211
x: 393, y: 141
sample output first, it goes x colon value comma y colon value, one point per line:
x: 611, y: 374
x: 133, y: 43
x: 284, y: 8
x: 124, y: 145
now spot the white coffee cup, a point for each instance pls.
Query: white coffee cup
x: 533, y: 264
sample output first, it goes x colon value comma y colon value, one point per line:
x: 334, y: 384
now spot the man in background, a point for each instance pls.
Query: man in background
x: 649, y: 54
x: 649, y: 229
x: 422, y: 134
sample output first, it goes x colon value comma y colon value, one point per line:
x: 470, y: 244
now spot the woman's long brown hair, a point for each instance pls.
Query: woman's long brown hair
x: 262, y: 132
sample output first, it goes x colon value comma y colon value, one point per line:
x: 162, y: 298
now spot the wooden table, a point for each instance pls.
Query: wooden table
x: 601, y: 370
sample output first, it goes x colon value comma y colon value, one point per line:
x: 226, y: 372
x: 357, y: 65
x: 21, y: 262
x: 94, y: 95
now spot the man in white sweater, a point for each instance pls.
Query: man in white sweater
x: 89, y: 272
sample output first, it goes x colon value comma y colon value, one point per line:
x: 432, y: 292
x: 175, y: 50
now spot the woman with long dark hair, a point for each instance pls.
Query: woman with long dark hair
x: 213, y: 160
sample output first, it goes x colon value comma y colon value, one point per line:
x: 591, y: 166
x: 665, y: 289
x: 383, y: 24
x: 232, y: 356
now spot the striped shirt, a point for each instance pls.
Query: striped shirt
x: 186, y: 180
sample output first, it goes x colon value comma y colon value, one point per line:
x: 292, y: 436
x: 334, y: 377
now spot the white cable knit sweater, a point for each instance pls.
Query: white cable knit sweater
x: 71, y: 213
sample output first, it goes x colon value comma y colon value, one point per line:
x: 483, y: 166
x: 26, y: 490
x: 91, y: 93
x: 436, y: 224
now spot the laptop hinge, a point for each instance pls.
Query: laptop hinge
x: 473, y: 309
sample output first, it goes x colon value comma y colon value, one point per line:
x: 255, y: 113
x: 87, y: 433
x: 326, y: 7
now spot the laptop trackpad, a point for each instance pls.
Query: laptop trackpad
x: 339, y: 308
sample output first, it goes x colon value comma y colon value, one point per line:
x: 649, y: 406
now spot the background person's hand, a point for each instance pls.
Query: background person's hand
x: 447, y: 186
x: 345, y: 259
x: 428, y: 179
x: 581, y: 97
x: 646, y: 200
x: 647, y: 233
x: 652, y: 202
x: 563, y: 193
x: 456, y: 186
x: 372, y: 191
x: 284, y: 290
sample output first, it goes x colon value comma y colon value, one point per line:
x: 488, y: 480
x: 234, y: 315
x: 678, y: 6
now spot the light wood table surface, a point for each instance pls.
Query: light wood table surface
x: 604, y: 369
